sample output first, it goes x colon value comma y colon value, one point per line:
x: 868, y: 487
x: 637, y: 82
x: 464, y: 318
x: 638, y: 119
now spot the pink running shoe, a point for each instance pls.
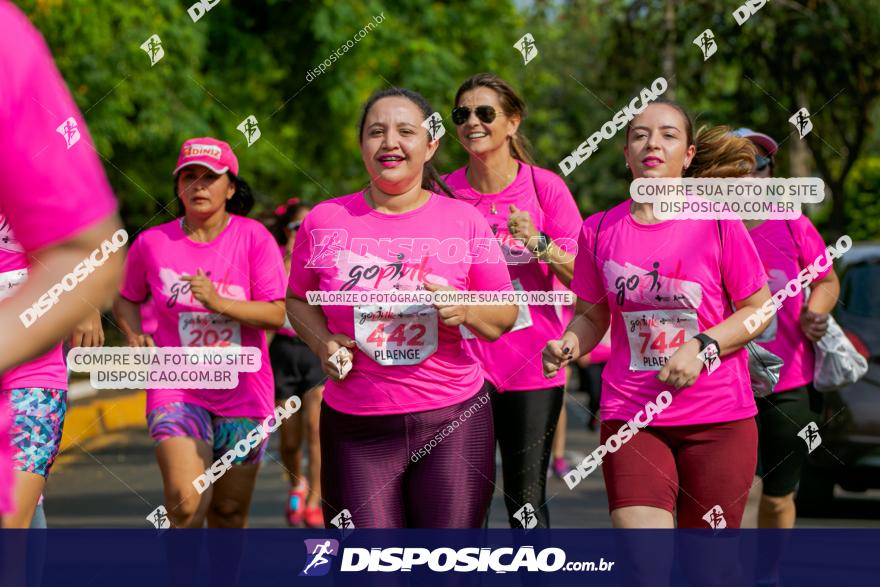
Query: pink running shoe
x: 314, y: 517
x: 560, y: 467
x: 296, y: 504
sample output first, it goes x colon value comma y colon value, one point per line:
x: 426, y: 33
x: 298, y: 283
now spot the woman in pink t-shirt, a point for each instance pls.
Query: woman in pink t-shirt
x: 406, y: 434
x: 60, y: 208
x: 786, y: 247
x: 36, y: 391
x: 674, y: 440
x: 297, y: 372
x: 216, y: 279
x: 536, y: 221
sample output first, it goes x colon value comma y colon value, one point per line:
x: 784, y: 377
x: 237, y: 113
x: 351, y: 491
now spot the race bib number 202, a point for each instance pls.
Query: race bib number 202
x: 208, y: 329
x: 655, y: 335
x: 396, y: 335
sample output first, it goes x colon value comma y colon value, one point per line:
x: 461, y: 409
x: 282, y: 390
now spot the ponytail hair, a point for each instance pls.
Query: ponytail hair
x: 511, y: 103
x: 721, y: 154
x: 431, y: 180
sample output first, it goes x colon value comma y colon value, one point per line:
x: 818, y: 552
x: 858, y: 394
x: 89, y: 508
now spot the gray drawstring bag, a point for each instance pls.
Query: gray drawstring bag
x: 838, y: 363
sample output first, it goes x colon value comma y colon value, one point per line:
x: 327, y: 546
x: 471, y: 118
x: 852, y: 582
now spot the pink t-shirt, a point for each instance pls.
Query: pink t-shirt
x: 406, y: 360
x: 662, y: 284
x: 513, y: 362
x: 783, y: 259
x: 148, y: 317
x: 47, y: 371
x: 49, y: 192
x: 602, y: 351
x: 287, y: 329
x: 244, y: 264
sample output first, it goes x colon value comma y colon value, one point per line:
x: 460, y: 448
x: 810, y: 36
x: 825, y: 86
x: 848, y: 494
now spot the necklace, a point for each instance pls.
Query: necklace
x: 186, y: 227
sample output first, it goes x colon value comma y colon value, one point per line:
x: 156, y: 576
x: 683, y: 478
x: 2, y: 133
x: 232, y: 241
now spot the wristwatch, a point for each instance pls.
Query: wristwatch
x: 543, y: 246
x: 705, y: 340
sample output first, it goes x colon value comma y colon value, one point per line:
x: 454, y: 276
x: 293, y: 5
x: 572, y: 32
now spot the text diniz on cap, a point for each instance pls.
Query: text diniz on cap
x: 212, y: 153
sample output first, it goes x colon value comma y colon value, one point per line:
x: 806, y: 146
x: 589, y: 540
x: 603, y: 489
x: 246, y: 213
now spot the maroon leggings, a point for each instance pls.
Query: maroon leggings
x: 433, y: 469
x: 688, y: 470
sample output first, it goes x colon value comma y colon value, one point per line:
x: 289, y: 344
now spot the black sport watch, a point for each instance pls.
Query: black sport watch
x: 706, y: 340
x: 543, y: 244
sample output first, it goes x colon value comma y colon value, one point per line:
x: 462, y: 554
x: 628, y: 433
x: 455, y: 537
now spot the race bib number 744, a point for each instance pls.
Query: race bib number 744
x: 655, y: 335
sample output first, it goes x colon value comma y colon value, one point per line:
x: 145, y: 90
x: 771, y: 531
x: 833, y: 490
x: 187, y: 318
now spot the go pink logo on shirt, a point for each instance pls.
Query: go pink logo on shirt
x: 178, y: 290
x: 332, y: 247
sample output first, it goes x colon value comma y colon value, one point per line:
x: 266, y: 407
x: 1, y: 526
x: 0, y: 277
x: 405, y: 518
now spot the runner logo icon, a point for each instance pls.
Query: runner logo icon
x: 801, y: 121
x: 319, y: 553
x: 153, y: 48
x: 706, y: 43
x: 343, y: 520
x: 249, y: 129
x: 526, y: 46
x: 159, y: 518
x: 715, y: 518
x: 810, y: 434
x: 68, y: 129
x: 434, y: 124
x: 526, y: 516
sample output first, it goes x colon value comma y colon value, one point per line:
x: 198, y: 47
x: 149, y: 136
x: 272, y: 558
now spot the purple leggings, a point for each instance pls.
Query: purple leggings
x: 433, y: 469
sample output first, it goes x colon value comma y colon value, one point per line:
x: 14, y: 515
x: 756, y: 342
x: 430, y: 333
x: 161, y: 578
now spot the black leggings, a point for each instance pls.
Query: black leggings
x: 525, y: 422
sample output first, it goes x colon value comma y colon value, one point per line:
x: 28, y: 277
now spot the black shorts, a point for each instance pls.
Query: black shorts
x: 781, y: 452
x: 296, y: 368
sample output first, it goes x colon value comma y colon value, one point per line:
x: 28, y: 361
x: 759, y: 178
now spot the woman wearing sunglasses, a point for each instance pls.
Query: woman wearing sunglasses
x: 535, y: 219
x: 297, y: 372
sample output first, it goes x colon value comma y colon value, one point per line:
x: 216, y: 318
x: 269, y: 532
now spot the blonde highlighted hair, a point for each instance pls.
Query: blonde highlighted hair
x: 721, y: 154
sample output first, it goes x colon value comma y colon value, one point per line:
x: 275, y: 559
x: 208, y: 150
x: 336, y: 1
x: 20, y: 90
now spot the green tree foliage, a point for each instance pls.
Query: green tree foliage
x: 248, y: 57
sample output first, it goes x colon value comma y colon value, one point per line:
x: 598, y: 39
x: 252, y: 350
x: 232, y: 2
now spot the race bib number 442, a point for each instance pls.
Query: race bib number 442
x: 655, y: 335
x: 396, y: 335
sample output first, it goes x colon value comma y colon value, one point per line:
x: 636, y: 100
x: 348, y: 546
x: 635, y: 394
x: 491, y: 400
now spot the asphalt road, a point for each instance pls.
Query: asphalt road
x: 114, y: 482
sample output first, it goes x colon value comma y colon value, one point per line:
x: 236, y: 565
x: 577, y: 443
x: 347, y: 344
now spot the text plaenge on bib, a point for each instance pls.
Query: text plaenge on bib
x: 405, y: 360
x: 662, y: 285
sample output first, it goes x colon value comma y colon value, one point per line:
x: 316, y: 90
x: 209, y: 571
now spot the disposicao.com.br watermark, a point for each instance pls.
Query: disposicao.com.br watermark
x: 632, y: 426
x: 796, y: 285
x: 344, y: 48
x: 253, y: 439
x: 214, y: 367
x: 746, y: 198
x: 82, y: 270
x: 424, y: 297
x: 444, y: 559
x: 617, y: 123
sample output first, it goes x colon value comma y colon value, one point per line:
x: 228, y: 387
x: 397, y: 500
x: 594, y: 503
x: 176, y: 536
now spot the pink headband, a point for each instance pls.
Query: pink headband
x: 280, y: 210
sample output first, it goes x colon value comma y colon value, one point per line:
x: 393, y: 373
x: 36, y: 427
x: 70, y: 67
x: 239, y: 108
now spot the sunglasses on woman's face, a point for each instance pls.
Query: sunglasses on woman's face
x: 294, y: 226
x: 461, y: 114
x: 761, y: 163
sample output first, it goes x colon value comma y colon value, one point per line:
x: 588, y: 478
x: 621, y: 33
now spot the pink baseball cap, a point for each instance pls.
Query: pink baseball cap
x: 213, y: 154
x: 758, y: 138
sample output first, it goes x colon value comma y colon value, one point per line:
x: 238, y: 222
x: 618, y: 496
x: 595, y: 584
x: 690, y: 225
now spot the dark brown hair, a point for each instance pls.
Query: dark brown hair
x: 511, y: 103
x: 431, y: 180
